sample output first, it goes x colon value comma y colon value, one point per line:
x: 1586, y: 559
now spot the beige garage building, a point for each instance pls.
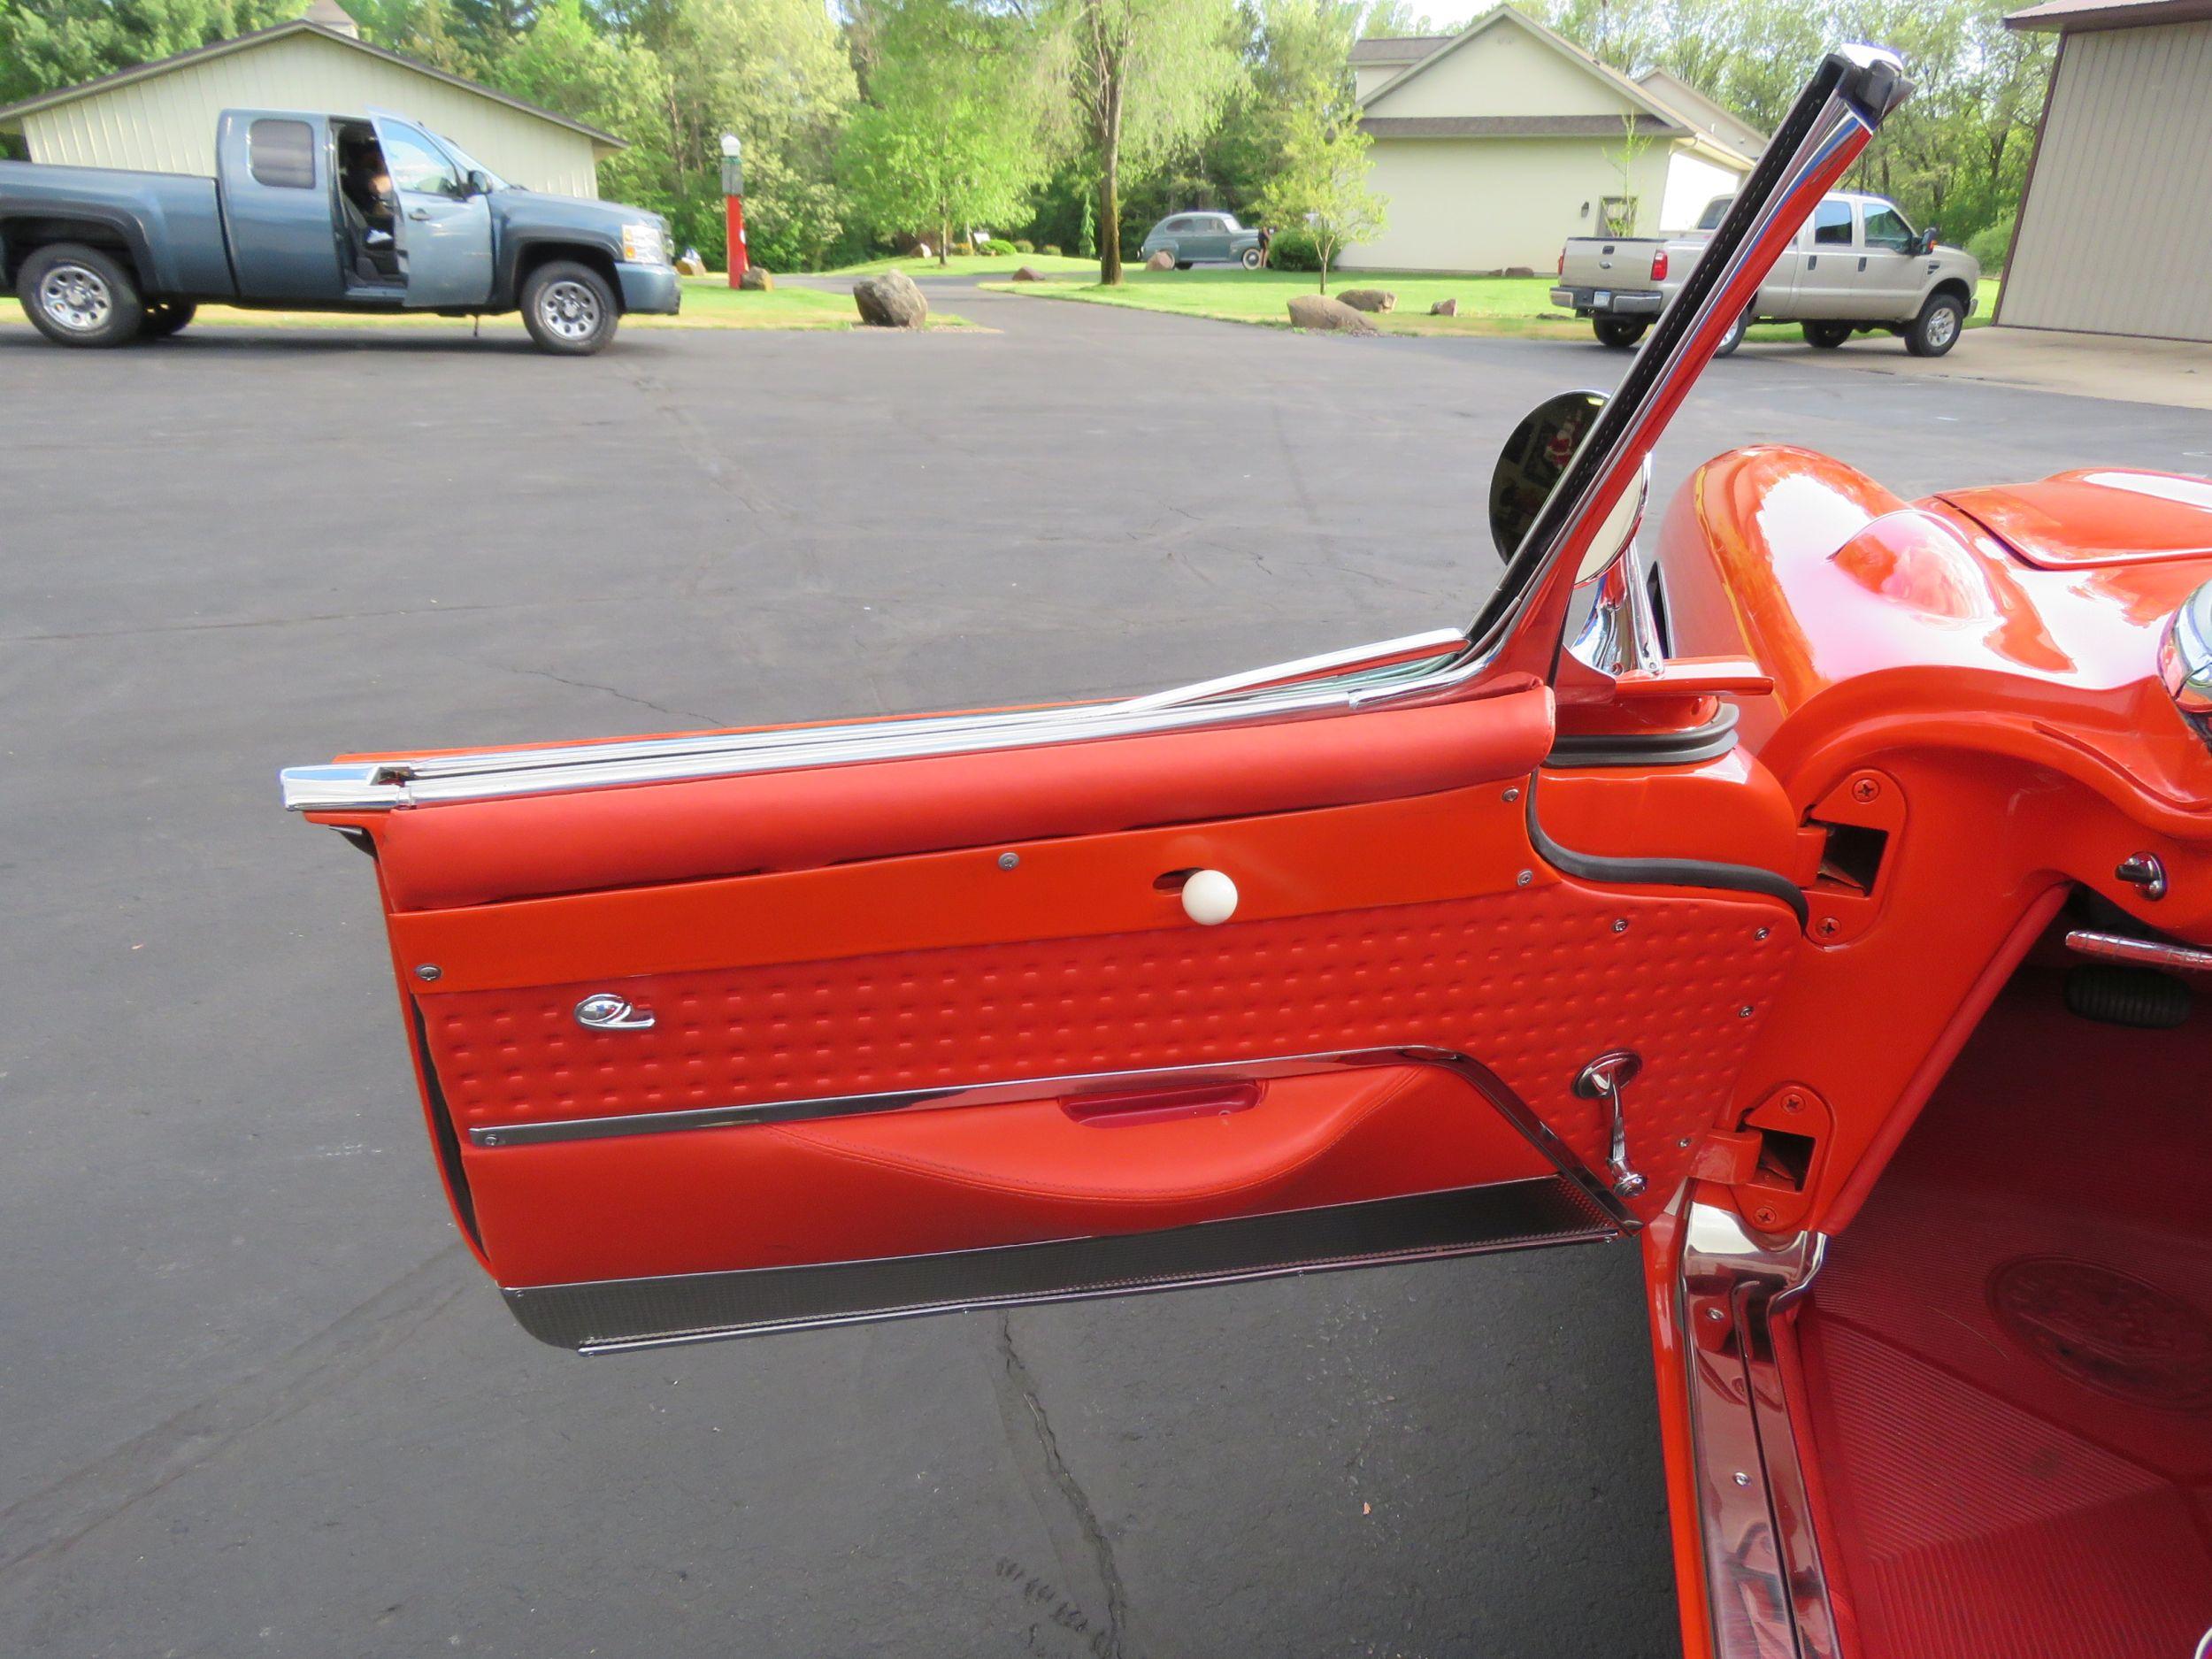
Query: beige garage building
x: 1495, y: 144
x: 2115, y: 235
x: 160, y: 117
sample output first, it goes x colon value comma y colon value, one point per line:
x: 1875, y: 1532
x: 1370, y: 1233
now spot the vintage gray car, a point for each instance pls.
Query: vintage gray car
x: 368, y: 214
x: 1206, y: 238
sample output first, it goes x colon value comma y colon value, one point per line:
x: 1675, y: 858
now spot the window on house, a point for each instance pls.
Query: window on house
x: 1616, y: 216
x: 282, y: 154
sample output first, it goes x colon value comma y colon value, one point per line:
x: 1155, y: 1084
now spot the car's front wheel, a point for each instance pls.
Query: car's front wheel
x: 1827, y: 336
x: 77, y: 296
x: 569, y: 308
x: 1937, y: 329
x: 1250, y: 258
x: 164, y: 318
x: 1618, y: 331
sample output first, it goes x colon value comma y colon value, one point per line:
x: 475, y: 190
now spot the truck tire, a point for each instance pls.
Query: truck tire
x: 1249, y: 259
x: 1827, y: 336
x: 1734, y: 338
x: 1937, y: 329
x: 77, y: 296
x: 569, y: 308
x: 1619, y: 330
x: 164, y: 318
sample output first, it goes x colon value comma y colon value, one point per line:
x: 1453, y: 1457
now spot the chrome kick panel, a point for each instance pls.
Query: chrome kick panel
x: 622, y: 1314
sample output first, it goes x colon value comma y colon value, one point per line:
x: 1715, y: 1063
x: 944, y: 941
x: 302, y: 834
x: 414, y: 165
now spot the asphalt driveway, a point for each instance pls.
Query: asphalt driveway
x: 258, y: 1399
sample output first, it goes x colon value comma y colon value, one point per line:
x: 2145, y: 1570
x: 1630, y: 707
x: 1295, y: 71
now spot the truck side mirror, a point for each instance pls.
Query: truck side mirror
x: 1928, y: 240
x: 480, y: 182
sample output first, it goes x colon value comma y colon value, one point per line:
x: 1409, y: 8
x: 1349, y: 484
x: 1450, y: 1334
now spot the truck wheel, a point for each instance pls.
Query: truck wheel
x: 77, y: 296
x: 1734, y: 338
x: 1936, y: 330
x: 1827, y: 336
x: 164, y: 318
x: 1619, y: 330
x: 1250, y: 258
x: 568, y: 308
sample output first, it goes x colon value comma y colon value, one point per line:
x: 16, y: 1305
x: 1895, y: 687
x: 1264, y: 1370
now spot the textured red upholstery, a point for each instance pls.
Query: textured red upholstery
x: 1531, y: 982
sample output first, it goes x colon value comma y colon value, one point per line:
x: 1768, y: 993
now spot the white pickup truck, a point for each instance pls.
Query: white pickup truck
x: 1856, y: 266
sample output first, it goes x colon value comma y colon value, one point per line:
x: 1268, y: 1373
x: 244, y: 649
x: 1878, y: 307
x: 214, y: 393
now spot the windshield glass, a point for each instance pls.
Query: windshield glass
x: 470, y: 163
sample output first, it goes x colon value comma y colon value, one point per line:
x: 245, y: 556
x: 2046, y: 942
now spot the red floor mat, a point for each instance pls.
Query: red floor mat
x: 2009, y: 1355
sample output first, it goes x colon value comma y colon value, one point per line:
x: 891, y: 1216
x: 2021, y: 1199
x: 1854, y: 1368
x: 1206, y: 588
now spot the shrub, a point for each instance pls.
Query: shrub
x: 960, y: 249
x: 1991, y: 245
x: 996, y: 246
x: 1295, y: 251
x: 1022, y: 244
x: 1052, y: 248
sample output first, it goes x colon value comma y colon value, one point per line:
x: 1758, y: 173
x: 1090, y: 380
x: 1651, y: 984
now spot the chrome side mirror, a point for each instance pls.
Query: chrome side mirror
x: 1534, y: 459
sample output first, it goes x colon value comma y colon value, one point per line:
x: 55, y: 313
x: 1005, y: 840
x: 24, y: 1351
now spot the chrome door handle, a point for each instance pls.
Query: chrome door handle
x: 1604, y: 1079
x: 603, y: 1010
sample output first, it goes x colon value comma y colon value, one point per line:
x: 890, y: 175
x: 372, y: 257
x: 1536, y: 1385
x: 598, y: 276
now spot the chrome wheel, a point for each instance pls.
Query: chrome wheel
x: 77, y: 298
x: 1943, y: 327
x: 570, y: 310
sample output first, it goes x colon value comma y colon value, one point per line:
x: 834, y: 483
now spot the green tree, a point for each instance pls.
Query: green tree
x: 951, y: 131
x: 45, y: 44
x: 1322, y: 183
x: 1144, y: 78
x: 564, y: 63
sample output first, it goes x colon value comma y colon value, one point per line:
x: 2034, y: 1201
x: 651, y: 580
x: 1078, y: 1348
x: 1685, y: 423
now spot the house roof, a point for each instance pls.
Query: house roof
x: 1716, y: 118
x: 2076, y: 17
x: 12, y: 115
x: 1662, y: 115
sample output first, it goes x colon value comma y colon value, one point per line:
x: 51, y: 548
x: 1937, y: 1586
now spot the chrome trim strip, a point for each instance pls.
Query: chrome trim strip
x: 1472, y: 1071
x: 2148, y: 953
x: 617, y: 1315
x: 1767, y: 1591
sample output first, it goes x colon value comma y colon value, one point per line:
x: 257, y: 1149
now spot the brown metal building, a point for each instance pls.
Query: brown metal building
x: 2114, y: 235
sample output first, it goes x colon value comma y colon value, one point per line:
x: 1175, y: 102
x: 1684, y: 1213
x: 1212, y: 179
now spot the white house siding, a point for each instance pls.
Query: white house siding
x: 1691, y: 181
x: 1505, y: 70
x: 167, y: 122
x: 1490, y: 204
x: 2116, y: 236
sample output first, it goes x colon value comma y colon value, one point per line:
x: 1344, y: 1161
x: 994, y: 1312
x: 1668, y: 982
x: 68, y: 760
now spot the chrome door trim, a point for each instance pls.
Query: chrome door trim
x: 1763, y: 1577
x: 1472, y: 1071
x: 610, y: 1316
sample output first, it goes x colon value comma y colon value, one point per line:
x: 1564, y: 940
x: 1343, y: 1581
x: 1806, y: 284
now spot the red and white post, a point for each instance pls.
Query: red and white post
x: 733, y: 205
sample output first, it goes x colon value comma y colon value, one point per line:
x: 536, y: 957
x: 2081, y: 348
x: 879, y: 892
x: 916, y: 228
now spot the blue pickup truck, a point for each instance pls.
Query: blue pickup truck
x: 323, y: 212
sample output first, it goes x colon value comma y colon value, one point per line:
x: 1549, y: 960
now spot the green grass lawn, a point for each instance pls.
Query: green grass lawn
x: 968, y: 265
x: 709, y: 303
x: 1488, y: 305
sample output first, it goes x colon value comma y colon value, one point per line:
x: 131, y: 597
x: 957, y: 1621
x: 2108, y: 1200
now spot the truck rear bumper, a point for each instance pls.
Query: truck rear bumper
x: 1609, y: 302
x: 650, y: 288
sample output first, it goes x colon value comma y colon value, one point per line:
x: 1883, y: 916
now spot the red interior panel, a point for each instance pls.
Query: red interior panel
x: 1533, y: 982
x: 2009, y: 1354
x: 485, y: 851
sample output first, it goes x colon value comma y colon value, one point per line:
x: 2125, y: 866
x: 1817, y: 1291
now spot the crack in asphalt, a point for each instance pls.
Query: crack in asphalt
x: 592, y: 685
x: 50, y: 1521
x: 1036, y: 1450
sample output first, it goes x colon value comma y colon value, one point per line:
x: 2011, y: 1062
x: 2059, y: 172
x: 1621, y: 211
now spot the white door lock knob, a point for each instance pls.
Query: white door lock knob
x: 1209, y: 897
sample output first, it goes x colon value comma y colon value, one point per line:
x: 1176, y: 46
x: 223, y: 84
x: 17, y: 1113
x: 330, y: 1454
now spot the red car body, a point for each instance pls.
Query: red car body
x: 1459, y: 943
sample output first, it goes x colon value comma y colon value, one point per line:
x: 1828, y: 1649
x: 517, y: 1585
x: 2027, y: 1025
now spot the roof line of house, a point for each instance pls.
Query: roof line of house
x: 1678, y: 124
x: 10, y: 114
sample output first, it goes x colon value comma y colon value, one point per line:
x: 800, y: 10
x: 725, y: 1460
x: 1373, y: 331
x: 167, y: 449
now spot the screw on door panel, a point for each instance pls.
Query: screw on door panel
x: 1866, y: 789
x: 428, y: 971
x: 1008, y: 861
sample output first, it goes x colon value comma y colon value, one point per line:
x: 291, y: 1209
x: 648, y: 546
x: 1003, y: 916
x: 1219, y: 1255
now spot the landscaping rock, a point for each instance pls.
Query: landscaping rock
x: 1023, y: 274
x: 1161, y: 261
x: 1518, y: 271
x: 757, y: 280
x: 1445, y: 307
x: 890, y: 301
x: 1370, y: 299
x: 1326, y: 314
x: 690, y: 264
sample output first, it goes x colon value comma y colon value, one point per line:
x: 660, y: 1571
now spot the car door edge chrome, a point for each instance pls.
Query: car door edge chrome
x: 1480, y: 1077
x: 1754, y: 1512
x: 612, y: 1315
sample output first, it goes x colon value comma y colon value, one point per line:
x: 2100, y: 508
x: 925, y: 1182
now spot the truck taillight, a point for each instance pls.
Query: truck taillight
x: 1659, y: 265
x: 1562, y: 262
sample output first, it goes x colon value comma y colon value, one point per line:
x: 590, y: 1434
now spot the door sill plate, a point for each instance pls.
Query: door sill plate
x: 616, y: 1314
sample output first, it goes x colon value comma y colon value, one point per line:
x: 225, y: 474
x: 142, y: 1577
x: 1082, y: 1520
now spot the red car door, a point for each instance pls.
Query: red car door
x: 743, y: 1032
